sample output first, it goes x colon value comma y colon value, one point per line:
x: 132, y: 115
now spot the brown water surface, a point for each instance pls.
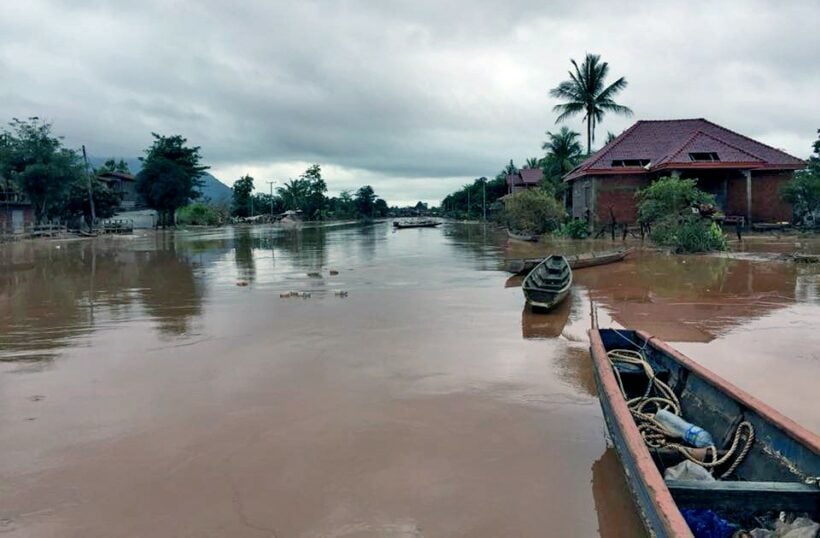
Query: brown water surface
x: 144, y: 393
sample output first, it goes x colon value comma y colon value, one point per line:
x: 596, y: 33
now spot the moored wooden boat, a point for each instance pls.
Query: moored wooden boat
x: 576, y: 261
x: 778, y: 471
x: 523, y: 236
x: 548, y: 283
x: 416, y: 223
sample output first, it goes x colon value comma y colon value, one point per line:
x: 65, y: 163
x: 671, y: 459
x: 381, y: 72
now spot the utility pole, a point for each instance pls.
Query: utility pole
x: 484, y: 197
x: 90, y: 192
x: 271, y: 197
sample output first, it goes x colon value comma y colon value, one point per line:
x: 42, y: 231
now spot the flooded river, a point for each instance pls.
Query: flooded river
x: 160, y: 385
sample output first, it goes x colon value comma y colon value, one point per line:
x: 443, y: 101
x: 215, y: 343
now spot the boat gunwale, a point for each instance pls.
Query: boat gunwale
x: 647, y: 472
x: 789, y: 427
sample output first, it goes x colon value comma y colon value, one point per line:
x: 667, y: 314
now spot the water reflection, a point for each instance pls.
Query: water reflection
x: 617, y: 514
x: 689, y: 298
x: 545, y: 324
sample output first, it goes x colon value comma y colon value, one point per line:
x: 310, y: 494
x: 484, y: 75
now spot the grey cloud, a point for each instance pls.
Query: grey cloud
x: 398, y: 89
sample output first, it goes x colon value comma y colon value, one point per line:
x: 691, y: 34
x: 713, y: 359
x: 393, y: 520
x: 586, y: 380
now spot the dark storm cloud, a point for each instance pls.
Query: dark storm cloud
x: 398, y: 93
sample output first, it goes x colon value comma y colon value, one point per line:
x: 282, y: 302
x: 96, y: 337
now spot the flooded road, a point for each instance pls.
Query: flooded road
x: 161, y: 386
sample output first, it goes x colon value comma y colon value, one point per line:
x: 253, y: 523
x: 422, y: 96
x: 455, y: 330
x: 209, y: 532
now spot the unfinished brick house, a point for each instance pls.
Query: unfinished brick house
x: 743, y: 174
x: 526, y: 178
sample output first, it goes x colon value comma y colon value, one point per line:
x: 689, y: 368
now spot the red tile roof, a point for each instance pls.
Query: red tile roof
x: 526, y: 176
x: 666, y: 144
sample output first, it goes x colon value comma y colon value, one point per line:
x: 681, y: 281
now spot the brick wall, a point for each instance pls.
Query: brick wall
x: 618, y: 192
x: 766, y: 203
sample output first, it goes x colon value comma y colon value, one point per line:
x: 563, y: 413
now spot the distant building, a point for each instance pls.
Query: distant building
x: 526, y: 178
x: 744, y: 175
x: 125, y: 185
x: 16, y: 212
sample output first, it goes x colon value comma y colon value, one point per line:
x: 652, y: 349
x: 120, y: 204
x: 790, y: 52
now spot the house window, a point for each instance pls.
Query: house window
x: 706, y: 156
x: 629, y: 162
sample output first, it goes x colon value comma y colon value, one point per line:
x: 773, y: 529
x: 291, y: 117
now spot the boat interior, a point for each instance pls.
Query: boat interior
x: 779, y: 472
x: 550, y: 275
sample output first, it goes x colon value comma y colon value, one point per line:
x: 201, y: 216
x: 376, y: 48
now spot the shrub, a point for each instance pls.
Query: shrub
x: 666, y: 205
x: 574, y: 229
x: 532, y: 211
x: 199, y: 215
x: 669, y: 196
x: 688, y: 233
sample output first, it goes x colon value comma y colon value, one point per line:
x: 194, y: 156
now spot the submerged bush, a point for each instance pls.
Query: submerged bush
x: 688, y: 233
x: 574, y: 229
x: 670, y: 207
x: 533, y: 211
x: 199, y: 215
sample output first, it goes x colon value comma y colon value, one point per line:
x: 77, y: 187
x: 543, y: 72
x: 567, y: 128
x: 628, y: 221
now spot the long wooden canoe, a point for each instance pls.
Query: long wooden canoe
x: 577, y: 261
x: 523, y: 236
x: 548, y: 283
x: 778, y: 473
x: 416, y: 224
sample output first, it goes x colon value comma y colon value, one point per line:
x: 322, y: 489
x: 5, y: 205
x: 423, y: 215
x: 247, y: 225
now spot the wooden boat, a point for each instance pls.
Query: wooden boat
x: 779, y: 471
x: 416, y: 223
x: 577, y: 261
x: 523, y: 236
x: 548, y: 283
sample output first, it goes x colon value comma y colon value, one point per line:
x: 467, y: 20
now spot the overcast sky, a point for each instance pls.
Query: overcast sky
x: 413, y: 98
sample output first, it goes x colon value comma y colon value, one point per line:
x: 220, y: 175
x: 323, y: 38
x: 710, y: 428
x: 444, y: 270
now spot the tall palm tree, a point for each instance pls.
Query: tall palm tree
x: 533, y: 162
x: 586, y: 92
x: 564, y: 152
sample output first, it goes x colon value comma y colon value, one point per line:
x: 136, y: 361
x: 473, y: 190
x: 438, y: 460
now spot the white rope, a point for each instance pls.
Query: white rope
x: 661, y: 396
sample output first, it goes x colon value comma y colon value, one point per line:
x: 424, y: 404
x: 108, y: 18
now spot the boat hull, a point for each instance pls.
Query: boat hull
x: 548, y: 284
x: 522, y: 266
x: 772, y: 474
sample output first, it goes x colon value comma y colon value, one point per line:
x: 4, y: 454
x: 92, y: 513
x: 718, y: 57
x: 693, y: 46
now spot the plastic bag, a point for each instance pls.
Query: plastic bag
x: 687, y: 470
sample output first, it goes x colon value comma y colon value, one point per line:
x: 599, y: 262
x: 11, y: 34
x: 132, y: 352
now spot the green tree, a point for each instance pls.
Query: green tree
x: 533, y: 211
x: 294, y: 193
x: 380, y: 208
x: 533, y: 162
x: 106, y: 201
x: 39, y: 166
x: 315, y: 199
x: 670, y: 207
x: 170, y: 176
x: 365, y: 201
x: 242, y: 190
x: 112, y: 165
x: 586, y: 92
x: 563, y: 153
x: 803, y: 191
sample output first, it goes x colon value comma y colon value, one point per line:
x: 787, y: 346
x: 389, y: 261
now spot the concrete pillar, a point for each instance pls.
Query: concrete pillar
x: 748, y: 175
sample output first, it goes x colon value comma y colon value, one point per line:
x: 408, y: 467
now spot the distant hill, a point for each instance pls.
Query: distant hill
x: 212, y: 189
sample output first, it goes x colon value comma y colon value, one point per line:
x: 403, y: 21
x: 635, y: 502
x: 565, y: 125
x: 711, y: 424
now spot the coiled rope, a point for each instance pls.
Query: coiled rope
x: 661, y: 396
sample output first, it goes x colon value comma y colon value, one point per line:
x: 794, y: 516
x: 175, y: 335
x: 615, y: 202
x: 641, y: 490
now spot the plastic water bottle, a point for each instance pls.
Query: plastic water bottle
x: 691, y: 434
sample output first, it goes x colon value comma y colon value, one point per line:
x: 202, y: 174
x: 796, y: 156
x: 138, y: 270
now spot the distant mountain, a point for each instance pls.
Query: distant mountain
x: 212, y: 189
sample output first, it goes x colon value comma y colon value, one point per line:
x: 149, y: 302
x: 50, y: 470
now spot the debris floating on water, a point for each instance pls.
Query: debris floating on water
x: 334, y: 272
x: 242, y: 283
x: 314, y: 275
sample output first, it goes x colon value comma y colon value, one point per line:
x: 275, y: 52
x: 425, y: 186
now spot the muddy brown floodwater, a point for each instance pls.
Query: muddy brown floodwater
x: 143, y: 392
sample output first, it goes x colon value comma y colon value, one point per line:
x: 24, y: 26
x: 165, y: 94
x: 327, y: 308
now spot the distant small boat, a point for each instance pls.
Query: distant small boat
x: 523, y: 236
x: 425, y: 223
x: 577, y: 261
x: 767, y: 463
x: 548, y: 283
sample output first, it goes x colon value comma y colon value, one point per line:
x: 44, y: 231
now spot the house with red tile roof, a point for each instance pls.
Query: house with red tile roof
x: 526, y: 178
x: 744, y: 175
